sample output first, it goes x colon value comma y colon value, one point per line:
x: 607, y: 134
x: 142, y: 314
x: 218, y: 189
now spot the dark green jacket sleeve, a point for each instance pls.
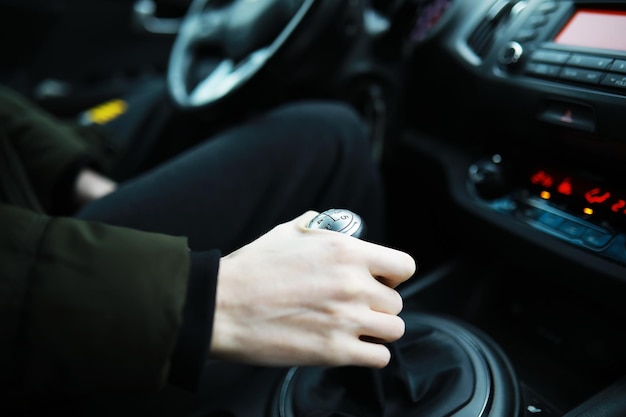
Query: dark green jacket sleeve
x: 86, y: 306
x: 48, y: 147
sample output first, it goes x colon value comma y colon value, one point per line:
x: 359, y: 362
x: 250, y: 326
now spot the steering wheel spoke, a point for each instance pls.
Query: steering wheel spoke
x: 207, y: 28
x: 238, y: 38
x: 218, y: 83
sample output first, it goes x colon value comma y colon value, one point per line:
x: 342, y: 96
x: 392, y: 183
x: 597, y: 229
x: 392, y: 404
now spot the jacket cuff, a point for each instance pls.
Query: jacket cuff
x: 194, y: 338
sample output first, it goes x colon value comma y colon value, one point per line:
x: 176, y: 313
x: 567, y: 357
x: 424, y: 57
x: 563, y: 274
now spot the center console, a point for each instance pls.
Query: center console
x: 557, y: 68
x: 514, y: 147
x: 585, y: 210
x: 537, y: 90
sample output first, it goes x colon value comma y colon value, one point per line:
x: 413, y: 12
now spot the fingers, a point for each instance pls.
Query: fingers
x: 371, y: 355
x: 364, y: 343
x: 378, y: 320
x: 384, y: 299
x: 371, y: 351
x: 381, y: 327
x: 390, y: 266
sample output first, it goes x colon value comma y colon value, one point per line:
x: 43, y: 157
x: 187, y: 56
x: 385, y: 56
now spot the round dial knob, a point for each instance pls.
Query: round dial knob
x: 512, y: 54
x: 490, y: 177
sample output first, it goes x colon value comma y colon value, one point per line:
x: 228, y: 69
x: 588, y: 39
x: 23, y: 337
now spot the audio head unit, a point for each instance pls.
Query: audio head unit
x: 574, y: 42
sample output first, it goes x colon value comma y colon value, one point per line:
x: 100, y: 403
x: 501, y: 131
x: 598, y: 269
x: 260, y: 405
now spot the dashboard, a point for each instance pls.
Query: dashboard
x: 536, y: 89
x: 512, y: 142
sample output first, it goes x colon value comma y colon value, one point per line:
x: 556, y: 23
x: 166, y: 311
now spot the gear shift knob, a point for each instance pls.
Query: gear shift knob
x: 339, y: 220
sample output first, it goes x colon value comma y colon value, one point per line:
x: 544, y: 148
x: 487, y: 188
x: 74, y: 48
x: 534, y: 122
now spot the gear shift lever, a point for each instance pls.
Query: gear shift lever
x: 339, y: 220
x: 440, y: 367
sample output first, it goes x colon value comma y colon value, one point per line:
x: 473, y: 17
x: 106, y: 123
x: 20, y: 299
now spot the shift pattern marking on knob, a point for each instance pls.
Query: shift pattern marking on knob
x: 339, y: 220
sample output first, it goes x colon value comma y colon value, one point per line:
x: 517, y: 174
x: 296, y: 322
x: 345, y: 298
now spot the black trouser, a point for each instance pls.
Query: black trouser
x: 236, y: 185
x: 228, y: 190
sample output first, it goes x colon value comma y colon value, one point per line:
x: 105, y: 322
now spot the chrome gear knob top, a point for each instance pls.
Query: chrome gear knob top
x: 339, y: 220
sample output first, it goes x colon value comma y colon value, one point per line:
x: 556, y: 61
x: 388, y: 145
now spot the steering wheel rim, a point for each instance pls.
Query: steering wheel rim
x: 209, y: 23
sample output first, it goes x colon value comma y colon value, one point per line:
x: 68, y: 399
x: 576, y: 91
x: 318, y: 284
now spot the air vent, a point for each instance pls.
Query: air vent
x: 482, y: 37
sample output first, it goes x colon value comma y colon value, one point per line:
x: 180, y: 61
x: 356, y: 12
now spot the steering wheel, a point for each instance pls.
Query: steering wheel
x: 223, y: 44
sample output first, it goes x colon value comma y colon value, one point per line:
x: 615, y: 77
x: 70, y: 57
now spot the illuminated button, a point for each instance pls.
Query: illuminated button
x: 589, y: 61
x: 551, y: 220
x: 615, y: 80
x: 543, y: 70
x: 568, y: 114
x: 581, y: 75
x: 619, y: 65
x: 572, y: 229
x: 532, y: 213
x: 596, y: 239
x: 551, y: 57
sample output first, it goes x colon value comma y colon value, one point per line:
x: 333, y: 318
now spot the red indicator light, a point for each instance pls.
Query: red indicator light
x: 565, y: 187
x: 541, y: 178
x: 595, y: 196
x: 618, y: 206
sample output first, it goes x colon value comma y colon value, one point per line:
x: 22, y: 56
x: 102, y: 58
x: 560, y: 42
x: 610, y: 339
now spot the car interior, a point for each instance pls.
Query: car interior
x: 498, y: 126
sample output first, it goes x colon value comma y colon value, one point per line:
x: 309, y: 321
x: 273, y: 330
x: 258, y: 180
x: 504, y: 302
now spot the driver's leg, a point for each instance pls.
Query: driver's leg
x: 235, y: 186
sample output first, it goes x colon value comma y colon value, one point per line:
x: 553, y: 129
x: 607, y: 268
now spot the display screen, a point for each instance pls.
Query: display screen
x: 605, y: 29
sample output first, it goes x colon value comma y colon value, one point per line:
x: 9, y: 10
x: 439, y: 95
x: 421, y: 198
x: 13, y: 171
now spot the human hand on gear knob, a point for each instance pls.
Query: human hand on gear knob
x: 303, y: 296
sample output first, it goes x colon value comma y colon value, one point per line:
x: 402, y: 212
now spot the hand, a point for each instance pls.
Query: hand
x: 90, y: 185
x: 299, y: 296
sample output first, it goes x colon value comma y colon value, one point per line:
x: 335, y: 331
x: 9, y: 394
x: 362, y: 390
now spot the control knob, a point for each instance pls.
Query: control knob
x: 490, y: 177
x: 511, y: 54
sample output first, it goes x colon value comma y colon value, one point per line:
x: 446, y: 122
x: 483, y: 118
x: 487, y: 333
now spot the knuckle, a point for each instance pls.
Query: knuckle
x: 397, y: 329
x: 398, y: 303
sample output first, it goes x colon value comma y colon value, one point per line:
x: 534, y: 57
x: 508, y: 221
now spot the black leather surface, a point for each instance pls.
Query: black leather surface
x: 610, y: 402
x: 441, y: 367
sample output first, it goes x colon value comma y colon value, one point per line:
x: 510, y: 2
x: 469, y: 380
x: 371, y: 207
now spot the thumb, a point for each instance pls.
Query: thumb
x: 303, y: 220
